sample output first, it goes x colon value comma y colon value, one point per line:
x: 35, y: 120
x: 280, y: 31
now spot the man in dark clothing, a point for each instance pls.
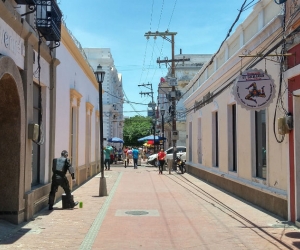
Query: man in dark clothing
x: 59, y: 168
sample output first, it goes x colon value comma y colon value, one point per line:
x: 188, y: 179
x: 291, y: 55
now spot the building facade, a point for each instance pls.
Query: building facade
x: 112, y: 92
x: 49, y: 102
x: 291, y: 75
x: 238, y: 149
x: 26, y: 85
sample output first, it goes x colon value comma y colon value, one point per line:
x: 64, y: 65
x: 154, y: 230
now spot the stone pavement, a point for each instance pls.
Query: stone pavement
x: 145, y: 210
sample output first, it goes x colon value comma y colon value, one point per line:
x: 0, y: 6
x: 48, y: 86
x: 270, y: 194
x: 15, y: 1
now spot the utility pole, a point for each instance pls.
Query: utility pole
x: 165, y: 35
x: 152, y: 105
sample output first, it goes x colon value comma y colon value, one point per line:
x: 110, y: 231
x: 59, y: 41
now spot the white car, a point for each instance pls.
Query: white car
x: 181, y: 151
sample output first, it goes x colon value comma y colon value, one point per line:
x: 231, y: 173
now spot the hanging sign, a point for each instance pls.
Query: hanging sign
x: 254, y: 89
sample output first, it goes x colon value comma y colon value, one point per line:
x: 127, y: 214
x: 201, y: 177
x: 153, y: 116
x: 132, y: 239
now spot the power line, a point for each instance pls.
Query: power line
x: 213, y: 57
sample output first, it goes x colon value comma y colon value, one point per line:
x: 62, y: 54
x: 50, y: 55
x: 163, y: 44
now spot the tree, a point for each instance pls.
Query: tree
x: 134, y: 128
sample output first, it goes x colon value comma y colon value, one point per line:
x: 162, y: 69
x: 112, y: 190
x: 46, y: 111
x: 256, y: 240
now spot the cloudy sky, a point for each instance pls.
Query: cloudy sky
x: 120, y: 25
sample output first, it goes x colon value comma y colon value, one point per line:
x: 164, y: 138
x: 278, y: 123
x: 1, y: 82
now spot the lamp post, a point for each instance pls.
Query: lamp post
x: 100, y: 73
x: 154, y: 124
x: 162, y: 111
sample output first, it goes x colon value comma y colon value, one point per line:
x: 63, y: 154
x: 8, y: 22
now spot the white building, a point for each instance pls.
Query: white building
x: 113, y: 92
x: 227, y: 145
x: 77, y: 108
x: 48, y: 103
x: 184, y: 72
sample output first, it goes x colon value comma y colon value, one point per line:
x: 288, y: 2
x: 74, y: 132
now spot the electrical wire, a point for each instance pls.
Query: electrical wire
x: 257, y: 59
x: 41, y: 129
x: 213, y: 57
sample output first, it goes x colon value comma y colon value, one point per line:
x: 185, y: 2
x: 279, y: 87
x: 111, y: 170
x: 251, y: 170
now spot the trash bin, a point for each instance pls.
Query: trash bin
x: 65, y: 201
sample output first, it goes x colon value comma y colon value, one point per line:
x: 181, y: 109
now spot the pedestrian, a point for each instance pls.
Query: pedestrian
x: 119, y: 154
x: 116, y: 156
x: 112, y: 156
x: 129, y: 155
x: 161, y: 157
x: 107, y: 158
x: 126, y: 159
x: 135, y: 155
x: 60, y: 166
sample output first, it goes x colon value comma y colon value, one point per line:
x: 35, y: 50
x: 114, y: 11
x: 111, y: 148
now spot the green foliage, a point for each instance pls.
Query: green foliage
x: 135, y: 128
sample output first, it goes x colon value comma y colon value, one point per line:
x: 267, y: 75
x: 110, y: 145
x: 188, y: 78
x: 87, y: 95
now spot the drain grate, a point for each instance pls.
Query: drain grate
x: 136, y: 212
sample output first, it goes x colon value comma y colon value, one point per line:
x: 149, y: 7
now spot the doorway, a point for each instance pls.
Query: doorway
x: 10, y: 148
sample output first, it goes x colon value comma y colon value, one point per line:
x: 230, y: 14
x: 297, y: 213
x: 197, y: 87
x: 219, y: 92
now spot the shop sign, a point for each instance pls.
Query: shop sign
x: 11, y: 44
x: 254, y: 89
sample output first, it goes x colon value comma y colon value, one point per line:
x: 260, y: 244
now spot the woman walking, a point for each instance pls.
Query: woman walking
x: 161, y: 156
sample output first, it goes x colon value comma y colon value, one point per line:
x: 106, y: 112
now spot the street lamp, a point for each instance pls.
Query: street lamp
x: 154, y: 124
x: 162, y: 111
x: 100, y: 73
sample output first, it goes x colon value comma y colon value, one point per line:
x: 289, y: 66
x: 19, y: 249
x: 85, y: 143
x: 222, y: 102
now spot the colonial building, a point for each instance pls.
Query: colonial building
x: 48, y: 103
x: 242, y: 147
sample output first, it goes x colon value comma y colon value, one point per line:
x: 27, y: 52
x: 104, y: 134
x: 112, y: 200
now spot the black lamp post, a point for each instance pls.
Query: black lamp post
x: 162, y: 112
x: 100, y: 73
x: 154, y: 125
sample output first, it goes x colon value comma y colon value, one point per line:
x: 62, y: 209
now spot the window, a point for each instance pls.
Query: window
x: 215, y: 139
x: 181, y: 149
x: 260, y: 137
x: 97, y: 133
x: 232, y: 138
x: 199, y: 141
x: 88, y: 124
x: 190, y: 139
x: 73, y: 133
x: 75, y: 98
x: 170, y: 151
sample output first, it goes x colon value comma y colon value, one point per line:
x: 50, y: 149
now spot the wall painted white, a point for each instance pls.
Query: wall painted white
x: 71, y: 76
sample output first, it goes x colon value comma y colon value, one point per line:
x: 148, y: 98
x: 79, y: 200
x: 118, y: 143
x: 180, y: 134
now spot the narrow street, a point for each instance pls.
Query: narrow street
x: 145, y: 210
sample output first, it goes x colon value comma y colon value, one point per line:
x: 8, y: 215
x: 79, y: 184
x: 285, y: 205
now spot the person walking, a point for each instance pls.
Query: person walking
x: 126, y: 159
x: 107, y: 157
x: 60, y: 166
x: 129, y: 155
x: 161, y: 157
x: 135, y: 155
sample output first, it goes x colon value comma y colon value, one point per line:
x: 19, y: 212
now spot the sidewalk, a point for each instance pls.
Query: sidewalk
x: 145, y: 210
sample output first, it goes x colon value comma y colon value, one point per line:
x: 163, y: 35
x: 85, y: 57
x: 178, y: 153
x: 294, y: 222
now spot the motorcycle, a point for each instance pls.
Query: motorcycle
x: 180, y: 164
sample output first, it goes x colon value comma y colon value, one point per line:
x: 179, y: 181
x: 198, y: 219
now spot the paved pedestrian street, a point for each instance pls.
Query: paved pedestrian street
x: 145, y: 210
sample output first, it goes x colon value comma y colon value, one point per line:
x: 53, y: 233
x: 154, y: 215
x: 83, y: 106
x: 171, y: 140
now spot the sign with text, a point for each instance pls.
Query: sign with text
x: 11, y: 44
x: 254, y: 89
x: 172, y: 81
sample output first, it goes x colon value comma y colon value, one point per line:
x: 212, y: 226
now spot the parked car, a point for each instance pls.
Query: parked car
x: 181, y: 151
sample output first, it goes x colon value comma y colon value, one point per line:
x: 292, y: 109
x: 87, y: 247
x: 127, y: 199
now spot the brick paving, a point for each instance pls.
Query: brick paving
x: 145, y: 210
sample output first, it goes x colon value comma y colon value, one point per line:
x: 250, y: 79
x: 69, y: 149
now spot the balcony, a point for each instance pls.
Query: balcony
x: 48, y: 19
x: 26, y: 2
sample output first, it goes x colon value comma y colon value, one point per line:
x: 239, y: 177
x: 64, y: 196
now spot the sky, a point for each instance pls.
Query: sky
x: 120, y: 25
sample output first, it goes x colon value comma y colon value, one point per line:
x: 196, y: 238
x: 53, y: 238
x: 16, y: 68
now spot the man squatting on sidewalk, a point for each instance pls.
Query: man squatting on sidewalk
x: 60, y: 167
